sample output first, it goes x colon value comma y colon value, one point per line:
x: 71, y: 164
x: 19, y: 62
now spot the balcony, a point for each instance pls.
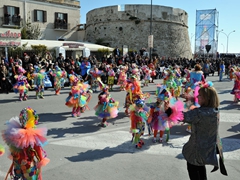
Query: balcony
x: 11, y: 22
x: 59, y: 26
x: 73, y: 3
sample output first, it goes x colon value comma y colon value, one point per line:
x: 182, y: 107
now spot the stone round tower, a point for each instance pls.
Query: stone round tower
x: 131, y: 27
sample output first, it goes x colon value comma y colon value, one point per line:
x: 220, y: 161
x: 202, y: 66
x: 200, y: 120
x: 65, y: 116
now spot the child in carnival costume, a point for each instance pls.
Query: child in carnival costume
x: 169, y: 81
x: 85, y: 96
x: 236, y: 88
x: 169, y: 111
x: 25, y: 144
x: 147, y: 75
x: 196, y: 76
x: 96, y: 75
x: 73, y: 97
x: 39, y: 76
x: 136, y: 72
x: 59, y: 79
x: 22, y: 85
x: 178, y: 80
x: 138, y: 114
x: 111, y: 76
x: 122, y: 80
x: 107, y: 107
x: 134, y: 92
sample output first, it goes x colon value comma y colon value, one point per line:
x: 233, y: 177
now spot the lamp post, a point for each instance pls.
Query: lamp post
x: 217, y: 38
x: 223, y: 47
x: 227, y: 35
x: 191, y: 41
x: 151, y: 30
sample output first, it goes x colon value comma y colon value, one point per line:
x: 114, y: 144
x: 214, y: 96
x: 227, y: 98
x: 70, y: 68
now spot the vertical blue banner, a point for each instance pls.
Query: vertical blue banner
x: 205, y: 32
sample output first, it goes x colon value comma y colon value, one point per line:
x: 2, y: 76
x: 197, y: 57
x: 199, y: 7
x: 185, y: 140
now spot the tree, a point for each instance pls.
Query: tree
x: 30, y: 31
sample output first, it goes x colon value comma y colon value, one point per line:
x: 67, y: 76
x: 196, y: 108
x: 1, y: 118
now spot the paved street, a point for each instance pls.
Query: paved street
x: 80, y: 149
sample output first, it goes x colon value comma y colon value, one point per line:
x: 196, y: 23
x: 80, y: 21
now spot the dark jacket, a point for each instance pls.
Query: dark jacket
x: 204, y: 143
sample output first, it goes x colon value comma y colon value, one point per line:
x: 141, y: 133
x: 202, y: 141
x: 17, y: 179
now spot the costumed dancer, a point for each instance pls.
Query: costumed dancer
x: 25, y: 144
x: 59, y: 79
x: 196, y: 76
x: 147, y: 75
x: 22, y: 85
x: 107, y: 107
x: 169, y: 81
x: 122, y: 80
x: 73, y: 97
x: 138, y: 114
x: 178, y: 80
x: 95, y: 73
x: 84, y: 97
x: 111, y: 76
x: 134, y: 92
x: 136, y: 72
x: 169, y: 111
x: 39, y: 76
x: 152, y: 70
x: 236, y: 88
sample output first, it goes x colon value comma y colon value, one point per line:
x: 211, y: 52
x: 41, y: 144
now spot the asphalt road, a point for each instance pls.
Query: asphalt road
x: 80, y: 149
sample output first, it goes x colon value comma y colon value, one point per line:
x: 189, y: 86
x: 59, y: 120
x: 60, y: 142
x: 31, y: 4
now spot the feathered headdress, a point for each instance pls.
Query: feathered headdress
x: 162, y: 93
x: 28, y: 118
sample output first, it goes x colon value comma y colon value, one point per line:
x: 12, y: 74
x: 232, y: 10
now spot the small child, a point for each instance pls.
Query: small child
x: 107, y: 107
x: 139, y: 113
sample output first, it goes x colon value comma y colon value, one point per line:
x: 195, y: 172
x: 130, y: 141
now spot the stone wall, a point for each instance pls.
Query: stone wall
x: 132, y: 27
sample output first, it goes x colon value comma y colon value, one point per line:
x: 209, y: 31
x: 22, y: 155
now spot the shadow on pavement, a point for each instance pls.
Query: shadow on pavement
x: 53, y: 117
x: 235, y: 129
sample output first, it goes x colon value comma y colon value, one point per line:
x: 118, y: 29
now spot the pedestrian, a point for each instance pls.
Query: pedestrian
x: 204, y: 143
x: 221, y: 70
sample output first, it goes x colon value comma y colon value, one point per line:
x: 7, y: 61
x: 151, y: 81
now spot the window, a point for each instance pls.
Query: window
x: 11, y: 15
x: 40, y: 16
x: 61, y: 21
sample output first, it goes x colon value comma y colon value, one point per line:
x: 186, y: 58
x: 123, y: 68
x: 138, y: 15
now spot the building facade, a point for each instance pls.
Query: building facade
x: 54, y: 17
x: 130, y: 25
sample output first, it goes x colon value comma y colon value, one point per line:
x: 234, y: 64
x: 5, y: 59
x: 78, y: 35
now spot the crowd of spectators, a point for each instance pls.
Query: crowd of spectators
x: 8, y: 67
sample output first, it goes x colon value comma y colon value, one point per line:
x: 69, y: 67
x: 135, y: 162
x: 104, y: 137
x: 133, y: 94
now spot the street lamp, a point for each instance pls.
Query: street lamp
x: 227, y: 35
x: 223, y: 47
x: 151, y: 30
x: 217, y: 38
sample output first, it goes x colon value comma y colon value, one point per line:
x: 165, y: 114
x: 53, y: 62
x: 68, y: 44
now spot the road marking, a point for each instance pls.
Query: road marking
x: 120, y: 141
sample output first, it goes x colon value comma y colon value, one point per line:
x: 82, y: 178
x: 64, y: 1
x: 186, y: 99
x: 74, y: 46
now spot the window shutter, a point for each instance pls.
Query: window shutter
x: 44, y: 16
x: 5, y: 9
x: 16, y: 10
x: 66, y: 17
x: 35, y: 15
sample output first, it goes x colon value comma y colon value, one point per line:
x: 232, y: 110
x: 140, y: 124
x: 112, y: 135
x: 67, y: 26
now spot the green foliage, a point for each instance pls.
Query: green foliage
x: 30, y: 31
x: 39, y: 49
x: 104, y: 51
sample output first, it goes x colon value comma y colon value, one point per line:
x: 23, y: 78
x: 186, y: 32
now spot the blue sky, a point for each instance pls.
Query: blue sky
x: 229, y: 14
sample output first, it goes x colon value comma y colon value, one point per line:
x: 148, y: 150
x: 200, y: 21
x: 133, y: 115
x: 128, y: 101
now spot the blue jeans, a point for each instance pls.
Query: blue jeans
x: 220, y: 76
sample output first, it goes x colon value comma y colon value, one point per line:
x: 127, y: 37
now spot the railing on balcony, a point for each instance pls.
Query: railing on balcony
x: 11, y: 22
x: 61, y: 26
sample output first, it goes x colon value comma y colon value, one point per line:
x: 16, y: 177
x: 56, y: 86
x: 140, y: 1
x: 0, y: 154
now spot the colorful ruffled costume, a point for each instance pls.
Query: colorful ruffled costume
x: 25, y: 144
x: 139, y: 113
x: 236, y: 88
x: 147, y: 75
x: 39, y: 76
x: 165, y: 113
x: 95, y: 76
x: 134, y: 92
x: 2, y: 150
x: 22, y: 85
x: 111, y: 76
x: 122, y: 80
x: 79, y: 96
x: 107, y: 107
x: 59, y: 79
